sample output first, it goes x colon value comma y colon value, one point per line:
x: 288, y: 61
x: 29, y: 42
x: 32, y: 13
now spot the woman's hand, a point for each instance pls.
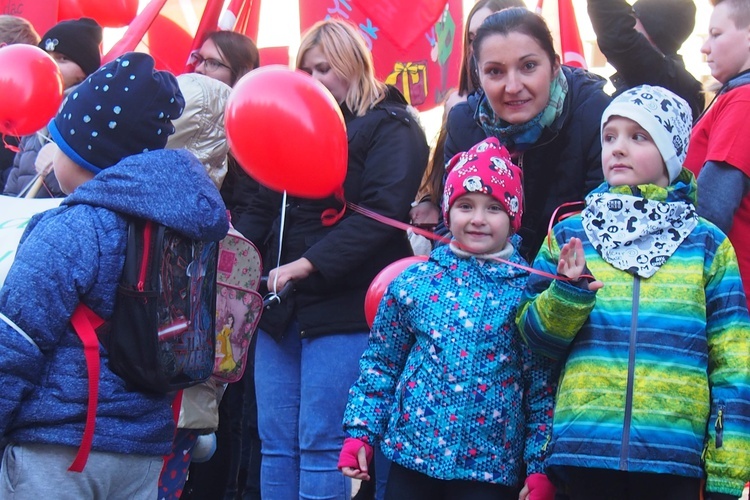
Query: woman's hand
x: 297, y: 270
x: 424, y: 214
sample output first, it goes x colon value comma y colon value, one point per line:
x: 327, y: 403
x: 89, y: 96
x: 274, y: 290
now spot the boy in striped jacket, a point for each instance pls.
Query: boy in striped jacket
x: 654, y: 396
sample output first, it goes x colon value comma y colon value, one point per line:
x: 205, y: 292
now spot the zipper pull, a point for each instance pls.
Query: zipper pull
x: 546, y: 443
x: 719, y: 427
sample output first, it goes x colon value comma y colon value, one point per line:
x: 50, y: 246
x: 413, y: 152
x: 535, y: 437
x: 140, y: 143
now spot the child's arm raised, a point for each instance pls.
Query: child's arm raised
x: 553, y: 311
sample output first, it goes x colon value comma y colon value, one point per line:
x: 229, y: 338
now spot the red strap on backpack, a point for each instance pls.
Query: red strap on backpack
x: 85, y: 321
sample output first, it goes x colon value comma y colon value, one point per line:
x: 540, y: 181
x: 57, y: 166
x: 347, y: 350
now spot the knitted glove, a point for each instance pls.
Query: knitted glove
x: 540, y: 488
x: 349, y: 452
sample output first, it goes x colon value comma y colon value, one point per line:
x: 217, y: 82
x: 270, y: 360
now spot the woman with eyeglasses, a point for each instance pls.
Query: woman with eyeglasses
x: 225, y: 56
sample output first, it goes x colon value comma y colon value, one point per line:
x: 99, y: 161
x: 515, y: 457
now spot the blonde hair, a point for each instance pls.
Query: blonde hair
x: 351, y: 60
x: 17, y: 30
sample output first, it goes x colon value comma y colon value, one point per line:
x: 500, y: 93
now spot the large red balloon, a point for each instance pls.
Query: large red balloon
x: 380, y: 283
x: 108, y: 13
x: 286, y: 130
x: 31, y: 89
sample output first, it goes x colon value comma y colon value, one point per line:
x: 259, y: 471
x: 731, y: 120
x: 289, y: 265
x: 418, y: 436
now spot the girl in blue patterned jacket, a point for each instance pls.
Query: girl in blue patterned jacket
x: 446, y: 387
x: 655, y: 391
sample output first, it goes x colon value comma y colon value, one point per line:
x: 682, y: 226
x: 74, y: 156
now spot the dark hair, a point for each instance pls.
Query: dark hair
x: 516, y: 20
x: 467, y: 78
x: 238, y: 50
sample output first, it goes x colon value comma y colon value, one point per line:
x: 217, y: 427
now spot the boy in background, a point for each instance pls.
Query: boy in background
x: 719, y: 154
x: 74, y: 45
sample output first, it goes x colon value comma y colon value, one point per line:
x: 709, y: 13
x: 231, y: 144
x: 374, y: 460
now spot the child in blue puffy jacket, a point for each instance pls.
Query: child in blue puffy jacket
x: 110, y: 134
x: 447, y: 388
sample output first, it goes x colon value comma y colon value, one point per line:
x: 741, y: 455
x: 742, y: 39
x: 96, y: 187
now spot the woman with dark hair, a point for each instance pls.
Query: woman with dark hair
x: 226, y: 56
x: 426, y: 212
x: 546, y: 114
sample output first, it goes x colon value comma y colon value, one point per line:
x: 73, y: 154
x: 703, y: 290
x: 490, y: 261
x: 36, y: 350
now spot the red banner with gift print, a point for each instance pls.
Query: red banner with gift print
x: 427, y: 69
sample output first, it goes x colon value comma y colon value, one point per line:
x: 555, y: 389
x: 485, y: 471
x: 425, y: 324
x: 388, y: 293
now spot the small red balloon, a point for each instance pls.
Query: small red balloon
x: 31, y: 89
x: 287, y: 132
x: 380, y: 283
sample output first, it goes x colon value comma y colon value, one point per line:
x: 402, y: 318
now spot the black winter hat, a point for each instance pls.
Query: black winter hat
x: 124, y: 108
x: 667, y: 22
x: 78, y: 40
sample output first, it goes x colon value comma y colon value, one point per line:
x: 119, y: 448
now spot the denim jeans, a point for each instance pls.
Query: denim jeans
x: 302, y: 386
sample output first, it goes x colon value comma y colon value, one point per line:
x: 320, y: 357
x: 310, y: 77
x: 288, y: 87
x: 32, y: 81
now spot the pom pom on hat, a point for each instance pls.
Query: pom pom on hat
x: 663, y: 114
x: 124, y: 108
x: 76, y: 39
x: 485, y: 168
x: 667, y: 22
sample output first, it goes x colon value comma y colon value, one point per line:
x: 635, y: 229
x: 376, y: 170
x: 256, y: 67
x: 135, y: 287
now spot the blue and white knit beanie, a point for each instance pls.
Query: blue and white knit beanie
x: 124, y: 108
x: 663, y: 114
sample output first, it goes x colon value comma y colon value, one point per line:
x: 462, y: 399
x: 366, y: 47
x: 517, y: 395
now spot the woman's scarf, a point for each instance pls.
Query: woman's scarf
x: 636, y: 234
x: 520, y: 137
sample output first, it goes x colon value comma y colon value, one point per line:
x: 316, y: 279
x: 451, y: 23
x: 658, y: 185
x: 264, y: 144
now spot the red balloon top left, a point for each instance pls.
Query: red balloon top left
x: 31, y: 89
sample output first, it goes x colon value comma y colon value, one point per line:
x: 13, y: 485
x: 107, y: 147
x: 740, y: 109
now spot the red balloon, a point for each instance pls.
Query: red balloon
x: 109, y: 13
x: 31, y: 89
x: 69, y: 9
x: 382, y: 280
x: 286, y: 130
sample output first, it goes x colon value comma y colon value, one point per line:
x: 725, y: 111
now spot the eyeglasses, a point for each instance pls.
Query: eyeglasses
x: 211, y: 64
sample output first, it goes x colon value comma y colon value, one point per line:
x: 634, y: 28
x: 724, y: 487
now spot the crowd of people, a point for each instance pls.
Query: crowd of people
x: 579, y: 330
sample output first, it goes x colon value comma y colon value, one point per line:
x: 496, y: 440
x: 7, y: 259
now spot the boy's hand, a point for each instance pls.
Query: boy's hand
x: 354, y: 458
x: 572, y: 265
x: 43, y: 162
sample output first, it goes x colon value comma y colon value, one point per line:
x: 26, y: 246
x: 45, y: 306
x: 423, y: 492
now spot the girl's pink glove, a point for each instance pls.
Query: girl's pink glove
x: 348, y: 456
x: 540, y: 488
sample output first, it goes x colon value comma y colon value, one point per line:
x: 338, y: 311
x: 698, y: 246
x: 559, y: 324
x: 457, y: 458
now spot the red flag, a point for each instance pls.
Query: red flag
x: 136, y: 31
x: 570, y: 40
x: 402, y: 21
x: 229, y: 17
x: 428, y: 69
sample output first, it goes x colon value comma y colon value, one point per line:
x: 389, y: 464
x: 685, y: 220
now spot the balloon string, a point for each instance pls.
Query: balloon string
x: 331, y: 216
x: 275, y: 289
x: 554, y: 219
x: 10, y: 146
x: 428, y: 234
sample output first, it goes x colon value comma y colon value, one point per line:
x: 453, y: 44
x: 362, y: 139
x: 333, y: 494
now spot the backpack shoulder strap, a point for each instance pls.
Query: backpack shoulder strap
x: 85, y: 321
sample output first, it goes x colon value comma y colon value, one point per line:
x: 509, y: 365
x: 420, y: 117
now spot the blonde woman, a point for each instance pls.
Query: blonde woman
x: 309, y: 345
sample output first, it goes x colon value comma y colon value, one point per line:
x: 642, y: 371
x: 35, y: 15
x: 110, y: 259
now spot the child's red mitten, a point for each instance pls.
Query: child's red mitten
x: 540, y: 488
x: 349, y: 452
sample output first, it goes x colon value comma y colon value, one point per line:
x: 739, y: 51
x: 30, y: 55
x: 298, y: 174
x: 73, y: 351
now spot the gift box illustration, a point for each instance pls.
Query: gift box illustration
x: 411, y: 79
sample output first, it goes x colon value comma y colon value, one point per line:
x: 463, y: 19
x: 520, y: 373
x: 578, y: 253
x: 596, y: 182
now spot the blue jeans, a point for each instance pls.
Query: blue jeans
x: 302, y: 387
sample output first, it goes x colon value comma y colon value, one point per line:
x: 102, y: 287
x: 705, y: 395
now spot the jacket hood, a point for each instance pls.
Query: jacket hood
x: 169, y: 187
x: 200, y: 128
x: 683, y: 188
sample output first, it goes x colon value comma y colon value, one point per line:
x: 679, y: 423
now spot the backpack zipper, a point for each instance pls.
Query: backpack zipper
x: 146, y: 254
